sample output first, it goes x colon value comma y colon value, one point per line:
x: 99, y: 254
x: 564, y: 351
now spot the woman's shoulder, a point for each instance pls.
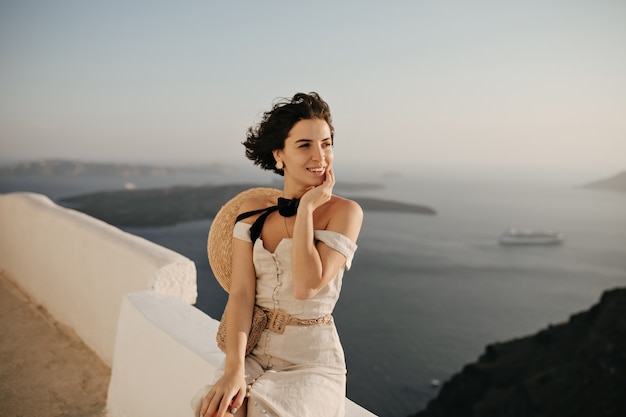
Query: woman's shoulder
x: 342, y: 205
x: 344, y: 216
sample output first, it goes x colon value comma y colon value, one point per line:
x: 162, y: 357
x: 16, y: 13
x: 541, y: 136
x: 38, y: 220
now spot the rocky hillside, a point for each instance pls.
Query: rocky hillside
x: 573, y: 369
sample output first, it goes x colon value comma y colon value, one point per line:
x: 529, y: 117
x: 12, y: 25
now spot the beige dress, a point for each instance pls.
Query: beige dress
x: 301, y: 372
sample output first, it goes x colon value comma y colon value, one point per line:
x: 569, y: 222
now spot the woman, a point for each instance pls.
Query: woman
x: 293, y: 270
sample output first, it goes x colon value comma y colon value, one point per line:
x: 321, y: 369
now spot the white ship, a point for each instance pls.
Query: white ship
x: 531, y: 237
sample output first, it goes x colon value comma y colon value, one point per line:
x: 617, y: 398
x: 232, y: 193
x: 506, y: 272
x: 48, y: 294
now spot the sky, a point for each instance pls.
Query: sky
x: 491, y: 85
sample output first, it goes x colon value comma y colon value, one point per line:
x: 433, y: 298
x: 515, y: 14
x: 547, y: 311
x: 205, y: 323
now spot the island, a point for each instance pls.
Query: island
x: 616, y: 182
x: 71, y: 168
x: 172, y: 205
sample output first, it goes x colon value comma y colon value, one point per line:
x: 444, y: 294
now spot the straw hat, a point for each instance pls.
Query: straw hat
x: 219, y: 243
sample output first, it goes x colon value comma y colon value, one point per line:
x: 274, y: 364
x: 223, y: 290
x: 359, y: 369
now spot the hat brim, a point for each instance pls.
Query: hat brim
x: 220, y: 240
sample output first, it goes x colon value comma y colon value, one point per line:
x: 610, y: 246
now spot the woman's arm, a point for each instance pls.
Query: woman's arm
x: 313, y: 266
x: 240, y: 305
x: 230, y: 390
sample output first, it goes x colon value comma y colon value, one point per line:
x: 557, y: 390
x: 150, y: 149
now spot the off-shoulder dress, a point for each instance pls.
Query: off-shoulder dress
x: 301, y: 372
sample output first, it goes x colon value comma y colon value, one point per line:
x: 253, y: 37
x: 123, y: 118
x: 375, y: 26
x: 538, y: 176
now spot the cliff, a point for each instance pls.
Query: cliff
x: 573, y: 369
x: 168, y: 206
x: 615, y: 183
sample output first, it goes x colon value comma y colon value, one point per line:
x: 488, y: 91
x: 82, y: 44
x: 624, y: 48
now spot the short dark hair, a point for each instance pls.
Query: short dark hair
x: 270, y: 133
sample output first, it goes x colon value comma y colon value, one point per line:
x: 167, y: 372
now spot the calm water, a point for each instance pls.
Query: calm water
x: 427, y: 293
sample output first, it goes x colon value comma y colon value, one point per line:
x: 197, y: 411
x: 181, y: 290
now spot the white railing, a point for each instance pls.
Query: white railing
x: 127, y: 298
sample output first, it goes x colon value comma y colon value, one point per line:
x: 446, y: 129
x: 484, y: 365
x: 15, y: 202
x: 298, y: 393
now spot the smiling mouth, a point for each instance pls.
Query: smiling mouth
x: 317, y: 170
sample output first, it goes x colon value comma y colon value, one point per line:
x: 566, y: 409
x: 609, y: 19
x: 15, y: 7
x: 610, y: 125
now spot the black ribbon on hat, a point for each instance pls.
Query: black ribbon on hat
x: 286, y: 208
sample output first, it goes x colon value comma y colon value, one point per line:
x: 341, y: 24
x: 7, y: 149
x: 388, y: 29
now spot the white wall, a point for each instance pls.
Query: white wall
x: 80, y: 268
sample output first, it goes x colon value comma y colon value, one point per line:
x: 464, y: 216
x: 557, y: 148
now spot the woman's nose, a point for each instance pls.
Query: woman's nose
x: 318, y: 154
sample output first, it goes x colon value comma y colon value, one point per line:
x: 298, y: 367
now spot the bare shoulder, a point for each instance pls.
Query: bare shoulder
x: 341, y: 205
x: 344, y: 216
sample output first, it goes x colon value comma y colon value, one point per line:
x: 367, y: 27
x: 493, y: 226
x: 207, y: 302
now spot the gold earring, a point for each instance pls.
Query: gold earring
x: 279, y: 165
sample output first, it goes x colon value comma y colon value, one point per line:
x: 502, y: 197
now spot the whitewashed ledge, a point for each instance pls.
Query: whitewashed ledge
x: 127, y: 298
x: 80, y: 268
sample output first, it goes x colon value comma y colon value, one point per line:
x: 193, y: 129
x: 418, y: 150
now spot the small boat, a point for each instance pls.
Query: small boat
x: 531, y: 237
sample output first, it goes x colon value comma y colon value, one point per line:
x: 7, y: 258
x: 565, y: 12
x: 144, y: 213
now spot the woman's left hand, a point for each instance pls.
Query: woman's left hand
x: 321, y: 194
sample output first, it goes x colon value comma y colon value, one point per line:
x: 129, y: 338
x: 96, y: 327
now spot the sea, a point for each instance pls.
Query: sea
x: 427, y: 293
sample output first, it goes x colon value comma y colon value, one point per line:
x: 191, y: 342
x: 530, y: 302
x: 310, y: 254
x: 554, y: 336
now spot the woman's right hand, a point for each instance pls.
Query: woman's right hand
x: 225, y: 397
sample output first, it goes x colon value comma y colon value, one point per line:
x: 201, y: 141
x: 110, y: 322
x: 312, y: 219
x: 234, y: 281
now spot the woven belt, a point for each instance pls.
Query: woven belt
x: 277, y: 320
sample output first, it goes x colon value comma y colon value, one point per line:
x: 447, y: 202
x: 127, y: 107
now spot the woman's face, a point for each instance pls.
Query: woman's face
x: 308, y: 152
